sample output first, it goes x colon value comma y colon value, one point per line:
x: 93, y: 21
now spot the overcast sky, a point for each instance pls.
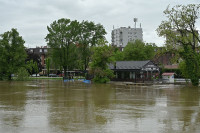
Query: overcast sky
x: 31, y: 17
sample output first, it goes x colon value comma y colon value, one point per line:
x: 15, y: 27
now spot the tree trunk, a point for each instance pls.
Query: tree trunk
x: 9, y: 77
x: 65, y: 73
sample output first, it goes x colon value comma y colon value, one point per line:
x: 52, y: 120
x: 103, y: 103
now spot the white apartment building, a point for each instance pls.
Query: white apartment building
x: 121, y: 36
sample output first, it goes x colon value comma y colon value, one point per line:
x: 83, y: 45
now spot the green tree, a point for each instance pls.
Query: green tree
x: 89, y: 34
x: 138, y: 50
x: 118, y: 55
x: 32, y: 67
x: 102, y: 56
x: 182, y: 37
x: 12, y: 53
x: 22, y: 74
x: 61, y: 39
x: 48, y: 62
x: 35, y: 68
x: 29, y: 66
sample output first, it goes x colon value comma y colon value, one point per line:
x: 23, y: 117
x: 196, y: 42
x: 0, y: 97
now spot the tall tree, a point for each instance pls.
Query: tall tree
x: 48, y: 62
x: 61, y: 38
x: 89, y: 34
x: 138, y: 50
x: 182, y: 37
x: 12, y: 52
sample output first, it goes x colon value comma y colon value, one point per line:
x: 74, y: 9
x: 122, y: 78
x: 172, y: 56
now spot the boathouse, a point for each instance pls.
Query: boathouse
x: 135, y: 71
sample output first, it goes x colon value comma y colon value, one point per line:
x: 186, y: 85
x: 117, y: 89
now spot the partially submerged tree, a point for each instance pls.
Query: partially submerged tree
x: 182, y: 37
x: 22, y: 74
x: 61, y: 39
x: 12, y: 53
x: 102, y: 56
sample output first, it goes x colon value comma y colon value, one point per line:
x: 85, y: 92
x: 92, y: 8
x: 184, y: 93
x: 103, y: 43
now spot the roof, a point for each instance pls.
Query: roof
x: 171, y: 66
x: 129, y: 64
x: 168, y: 74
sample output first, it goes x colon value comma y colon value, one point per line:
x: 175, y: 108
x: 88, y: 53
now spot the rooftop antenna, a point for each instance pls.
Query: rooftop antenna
x: 135, y: 20
x: 140, y: 25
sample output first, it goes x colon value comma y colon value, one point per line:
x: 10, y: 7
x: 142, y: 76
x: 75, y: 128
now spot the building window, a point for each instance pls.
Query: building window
x: 40, y: 50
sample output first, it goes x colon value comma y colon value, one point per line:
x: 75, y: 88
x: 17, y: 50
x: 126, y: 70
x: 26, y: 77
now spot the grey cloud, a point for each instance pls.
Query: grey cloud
x: 32, y: 17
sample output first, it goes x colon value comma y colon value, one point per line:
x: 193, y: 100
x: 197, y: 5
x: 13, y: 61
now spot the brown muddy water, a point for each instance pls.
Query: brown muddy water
x: 49, y: 106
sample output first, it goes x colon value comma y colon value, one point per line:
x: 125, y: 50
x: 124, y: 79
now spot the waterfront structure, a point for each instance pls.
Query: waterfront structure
x: 121, y: 36
x: 135, y: 71
x: 168, y: 77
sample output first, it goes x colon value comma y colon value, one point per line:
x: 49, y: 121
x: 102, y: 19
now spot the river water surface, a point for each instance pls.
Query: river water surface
x: 50, y: 106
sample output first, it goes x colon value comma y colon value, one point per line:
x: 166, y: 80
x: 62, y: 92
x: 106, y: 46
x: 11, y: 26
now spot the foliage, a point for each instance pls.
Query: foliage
x: 89, y: 34
x: 182, y: 67
x: 12, y: 53
x: 118, y: 55
x: 35, y: 68
x: 61, y: 39
x: 182, y: 37
x: 178, y: 73
x: 22, y: 74
x: 102, y: 56
x: 71, y: 42
x: 32, y: 67
x: 29, y: 66
x: 138, y: 50
x: 35, y: 58
x: 104, y: 76
x: 48, y: 61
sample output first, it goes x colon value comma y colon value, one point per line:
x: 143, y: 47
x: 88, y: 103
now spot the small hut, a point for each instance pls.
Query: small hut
x: 168, y: 77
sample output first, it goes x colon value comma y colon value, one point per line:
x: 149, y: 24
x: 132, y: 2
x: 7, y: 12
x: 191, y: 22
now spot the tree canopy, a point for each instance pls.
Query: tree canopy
x: 89, y: 34
x: 12, y: 53
x: 62, y: 39
x: 182, y: 36
x: 138, y: 50
x: 71, y: 42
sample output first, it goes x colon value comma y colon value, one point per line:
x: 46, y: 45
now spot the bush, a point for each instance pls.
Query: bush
x: 103, y: 76
x: 101, y: 79
x: 22, y: 74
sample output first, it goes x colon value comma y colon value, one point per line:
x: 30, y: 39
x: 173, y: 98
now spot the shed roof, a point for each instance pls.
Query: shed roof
x: 129, y: 64
x: 168, y: 74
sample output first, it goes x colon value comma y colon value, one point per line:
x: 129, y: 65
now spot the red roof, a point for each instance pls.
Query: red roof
x: 168, y: 74
x: 171, y: 66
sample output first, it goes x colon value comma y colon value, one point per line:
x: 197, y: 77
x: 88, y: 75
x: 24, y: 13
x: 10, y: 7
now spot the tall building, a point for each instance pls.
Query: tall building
x: 121, y: 36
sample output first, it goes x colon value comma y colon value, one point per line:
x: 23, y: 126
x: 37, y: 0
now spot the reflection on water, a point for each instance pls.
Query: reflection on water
x: 48, y: 106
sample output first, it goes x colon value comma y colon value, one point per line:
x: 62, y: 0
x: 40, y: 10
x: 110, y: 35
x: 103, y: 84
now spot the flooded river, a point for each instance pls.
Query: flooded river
x: 50, y: 106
